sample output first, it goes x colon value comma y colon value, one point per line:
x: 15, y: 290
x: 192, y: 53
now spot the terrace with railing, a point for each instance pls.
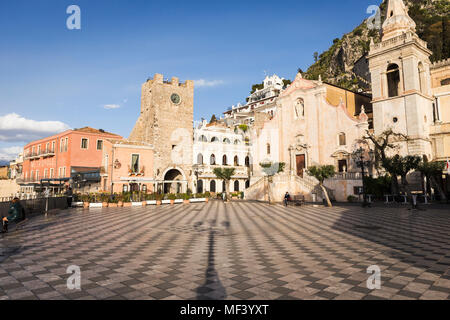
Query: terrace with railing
x: 37, y: 155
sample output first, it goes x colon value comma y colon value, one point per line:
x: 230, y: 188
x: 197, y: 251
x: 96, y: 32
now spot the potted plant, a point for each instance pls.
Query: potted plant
x: 127, y: 199
x: 104, y: 197
x: 86, y: 200
x: 113, y: 201
x: 158, y: 198
x: 119, y: 199
x: 186, y: 198
x: 172, y: 198
x: 207, y: 195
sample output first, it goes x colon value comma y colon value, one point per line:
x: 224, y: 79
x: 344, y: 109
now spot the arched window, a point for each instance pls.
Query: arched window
x: 212, y: 186
x: 268, y: 148
x: 236, y: 185
x: 212, y: 160
x: 237, y: 142
x: 200, y: 186
x: 223, y: 186
x: 247, y: 184
x: 247, y: 161
x: 200, y: 159
x: 226, y: 141
x: 214, y: 139
x: 236, y: 160
x: 393, y: 80
x: 342, y: 139
x: 224, y: 160
x: 202, y: 139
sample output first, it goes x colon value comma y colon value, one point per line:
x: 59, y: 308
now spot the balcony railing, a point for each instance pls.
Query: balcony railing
x: 36, y: 155
x: 347, y: 176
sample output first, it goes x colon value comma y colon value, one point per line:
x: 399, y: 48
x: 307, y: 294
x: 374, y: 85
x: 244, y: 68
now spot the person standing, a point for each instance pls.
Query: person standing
x: 69, y: 195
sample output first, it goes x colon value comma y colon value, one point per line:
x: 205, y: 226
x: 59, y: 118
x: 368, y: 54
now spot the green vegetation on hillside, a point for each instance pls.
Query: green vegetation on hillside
x: 433, y: 26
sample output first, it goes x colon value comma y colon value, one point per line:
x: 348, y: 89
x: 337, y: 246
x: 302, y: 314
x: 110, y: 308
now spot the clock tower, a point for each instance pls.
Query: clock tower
x: 166, y: 122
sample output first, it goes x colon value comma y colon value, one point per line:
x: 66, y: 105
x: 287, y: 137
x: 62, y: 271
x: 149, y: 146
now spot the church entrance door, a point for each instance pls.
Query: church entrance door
x: 300, y: 159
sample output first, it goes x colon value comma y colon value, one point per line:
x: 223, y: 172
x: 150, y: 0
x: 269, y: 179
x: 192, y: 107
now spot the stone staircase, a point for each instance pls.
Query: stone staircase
x: 281, y: 183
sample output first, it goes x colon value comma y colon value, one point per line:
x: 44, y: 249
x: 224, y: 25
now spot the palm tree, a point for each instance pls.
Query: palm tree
x: 225, y: 174
x: 321, y: 173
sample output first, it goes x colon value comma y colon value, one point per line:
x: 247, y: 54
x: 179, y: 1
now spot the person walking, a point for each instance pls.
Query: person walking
x: 287, y: 197
x: 16, y: 213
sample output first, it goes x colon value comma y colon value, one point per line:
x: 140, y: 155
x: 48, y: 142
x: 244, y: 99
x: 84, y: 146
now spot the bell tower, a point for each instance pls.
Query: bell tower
x: 401, y: 85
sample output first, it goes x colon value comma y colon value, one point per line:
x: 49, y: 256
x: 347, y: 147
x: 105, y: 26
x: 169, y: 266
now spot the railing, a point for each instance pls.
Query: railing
x: 36, y: 206
x: 347, y: 176
x: 37, y: 155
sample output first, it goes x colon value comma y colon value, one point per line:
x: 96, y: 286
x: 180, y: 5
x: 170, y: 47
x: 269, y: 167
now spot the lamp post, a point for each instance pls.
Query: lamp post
x: 361, y: 162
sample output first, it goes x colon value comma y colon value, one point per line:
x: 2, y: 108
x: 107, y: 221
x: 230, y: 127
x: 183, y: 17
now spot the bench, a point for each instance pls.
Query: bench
x: 297, y: 200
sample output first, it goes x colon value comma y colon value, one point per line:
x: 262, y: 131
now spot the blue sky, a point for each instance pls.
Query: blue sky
x: 50, y: 73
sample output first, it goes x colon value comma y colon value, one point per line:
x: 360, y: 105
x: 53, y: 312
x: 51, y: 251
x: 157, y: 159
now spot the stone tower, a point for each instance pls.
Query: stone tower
x: 401, y: 86
x: 166, y: 122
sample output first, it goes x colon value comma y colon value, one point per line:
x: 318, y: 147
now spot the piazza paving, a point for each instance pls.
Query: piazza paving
x: 238, y: 250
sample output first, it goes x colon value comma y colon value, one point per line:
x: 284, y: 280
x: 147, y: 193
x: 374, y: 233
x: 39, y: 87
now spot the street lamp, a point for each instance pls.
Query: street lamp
x: 359, y: 157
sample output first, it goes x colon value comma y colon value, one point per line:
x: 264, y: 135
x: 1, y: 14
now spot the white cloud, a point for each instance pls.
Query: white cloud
x: 10, y: 153
x: 111, y: 106
x: 207, y: 83
x: 15, y: 128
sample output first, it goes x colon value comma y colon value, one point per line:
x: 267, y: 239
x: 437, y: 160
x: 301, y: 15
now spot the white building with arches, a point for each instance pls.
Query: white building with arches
x: 217, y: 145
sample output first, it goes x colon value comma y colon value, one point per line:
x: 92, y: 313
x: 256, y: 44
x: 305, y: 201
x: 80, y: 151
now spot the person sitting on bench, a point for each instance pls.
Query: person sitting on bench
x: 16, y: 214
x: 287, y: 198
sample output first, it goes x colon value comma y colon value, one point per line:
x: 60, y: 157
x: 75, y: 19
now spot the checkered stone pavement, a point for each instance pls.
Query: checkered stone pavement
x: 239, y: 250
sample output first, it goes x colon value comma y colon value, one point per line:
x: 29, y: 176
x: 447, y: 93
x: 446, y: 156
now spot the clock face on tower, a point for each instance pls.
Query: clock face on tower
x: 175, y: 98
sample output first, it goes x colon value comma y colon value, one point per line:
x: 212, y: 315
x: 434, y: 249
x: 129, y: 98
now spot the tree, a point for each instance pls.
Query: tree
x: 322, y: 173
x: 213, y: 119
x: 316, y: 56
x: 286, y: 83
x: 243, y: 127
x: 401, y: 166
x: 382, y: 143
x: 433, y: 172
x: 224, y: 174
x: 299, y: 70
x: 257, y: 86
x: 270, y: 169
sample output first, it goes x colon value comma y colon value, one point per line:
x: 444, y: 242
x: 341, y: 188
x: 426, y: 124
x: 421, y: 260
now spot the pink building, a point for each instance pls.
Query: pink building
x: 127, y: 166
x: 73, y: 154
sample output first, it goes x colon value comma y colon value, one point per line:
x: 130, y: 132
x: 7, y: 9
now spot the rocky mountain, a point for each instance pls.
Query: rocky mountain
x: 344, y: 63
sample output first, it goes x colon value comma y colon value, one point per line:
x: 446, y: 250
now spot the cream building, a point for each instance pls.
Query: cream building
x: 262, y: 100
x: 440, y: 130
x: 218, y: 145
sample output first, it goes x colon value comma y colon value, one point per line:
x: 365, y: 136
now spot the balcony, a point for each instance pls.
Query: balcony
x: 207, y: 171
x: 347, y: 176
x: 36, y: 155
x: 47, y: 153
